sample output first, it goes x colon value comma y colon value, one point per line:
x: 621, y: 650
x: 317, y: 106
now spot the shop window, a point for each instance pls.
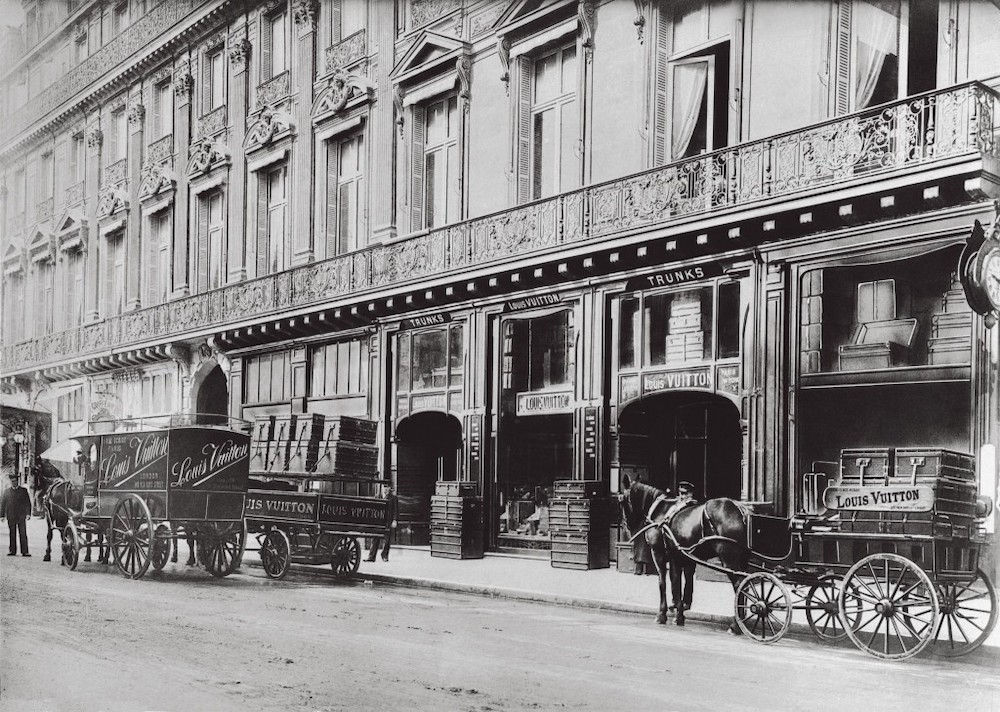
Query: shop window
x: 268, y: 378
x: 431, y: 360
x: 339, y: 369
x: 728, y: 321
x: 538, y: 352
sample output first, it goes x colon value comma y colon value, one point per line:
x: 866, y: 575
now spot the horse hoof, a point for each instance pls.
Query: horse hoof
x: 679, y: 622
x: 661, y: 619
x: 46, y: 558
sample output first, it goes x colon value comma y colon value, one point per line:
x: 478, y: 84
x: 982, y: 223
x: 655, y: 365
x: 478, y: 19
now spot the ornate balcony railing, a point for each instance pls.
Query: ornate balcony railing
x: 922, y: 130
x: 75, y: 193
x: 274, y: 89
x: 116, y: 172
x: 161, y: 149
x: 345, y: 52
x: 44, y: 209
x: 212, y: 122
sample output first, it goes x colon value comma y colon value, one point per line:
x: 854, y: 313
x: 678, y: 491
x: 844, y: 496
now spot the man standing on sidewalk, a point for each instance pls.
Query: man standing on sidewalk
x: 15, y: 506
x: 391, y: 512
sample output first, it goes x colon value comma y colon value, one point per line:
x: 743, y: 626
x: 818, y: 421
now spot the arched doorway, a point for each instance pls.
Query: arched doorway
x: 428, y: 449
x: 664, y: 438
x: 212, y: 401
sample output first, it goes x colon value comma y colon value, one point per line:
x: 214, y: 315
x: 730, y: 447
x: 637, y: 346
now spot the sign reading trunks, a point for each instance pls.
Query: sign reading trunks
x: 669, y: 278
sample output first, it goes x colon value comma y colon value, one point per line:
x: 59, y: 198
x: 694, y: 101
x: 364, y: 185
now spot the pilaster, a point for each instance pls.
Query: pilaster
x: 302, y: 169
x: 133, y: 223
x: 239, y: 87
x: 94, y: 142
x: 183, y: 86
x: 382, y: 135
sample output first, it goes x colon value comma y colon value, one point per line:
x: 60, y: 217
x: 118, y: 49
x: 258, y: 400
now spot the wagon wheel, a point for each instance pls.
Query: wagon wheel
x: 220, y: 545
x: 131, y: 536
x: 896, y: 604
x: 823, y: 609
x: 70, y: 545
x: 763, y: 607
x: 968, y: 616
x: 276, y: 554
x: 162, y: 543
x: 346, y: 557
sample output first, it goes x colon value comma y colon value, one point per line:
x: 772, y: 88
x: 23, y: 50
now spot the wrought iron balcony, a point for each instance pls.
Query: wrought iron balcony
x: 926, y: 131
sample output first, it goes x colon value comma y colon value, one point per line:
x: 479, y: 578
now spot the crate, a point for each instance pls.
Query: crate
x: 307, y: 427
x: 865, y: 357
x: 457, y: 542
x: 259, y: 455
x: 284, y: 426
x: 579, y: 489
x: 456, y: 510
x: 579, y: 551
x: 263, y: 428
x: 866, y: 465
x: 579, y: 514
x: 957, y: 350
x: 456, y: 489
x: 302, y: 456
x: 277, y: 456
x: 347, y: 458
x: 343, y: 427
x: 936, y: 463
x: 952, y: 326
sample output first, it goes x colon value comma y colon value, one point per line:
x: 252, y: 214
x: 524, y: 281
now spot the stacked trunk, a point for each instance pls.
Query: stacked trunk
x: 579, y: 524
x: 303, y: 443
x: 456, y: 521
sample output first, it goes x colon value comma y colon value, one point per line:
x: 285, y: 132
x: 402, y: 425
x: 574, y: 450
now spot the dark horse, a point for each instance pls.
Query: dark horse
x: 63, y: 498
x: 716, y: 528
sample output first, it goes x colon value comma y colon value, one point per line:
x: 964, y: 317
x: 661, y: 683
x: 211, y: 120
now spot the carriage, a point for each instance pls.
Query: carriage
x: 890, y: 559
x: 149, y: 482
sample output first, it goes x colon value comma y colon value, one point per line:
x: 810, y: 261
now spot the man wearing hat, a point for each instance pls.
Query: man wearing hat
x: 15, y: 506
x: 685, y: 498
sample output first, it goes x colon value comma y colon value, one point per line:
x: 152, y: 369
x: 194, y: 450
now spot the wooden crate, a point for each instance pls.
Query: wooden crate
x: 864, y: 465
x: 935, y: 462
x: 579, y: 514
x: 456, y: 510
x: 263, y: 428
x: 342, y: 427
x: 456, y: 489
x: 578, y: 489
x: 579, y: 551
x: 464, y: 542
x: 625, y: 562
x: 307, y: 426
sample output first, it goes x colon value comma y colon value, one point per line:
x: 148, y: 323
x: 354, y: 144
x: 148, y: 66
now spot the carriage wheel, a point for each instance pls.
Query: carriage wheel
x: 276, y: 554
x: 162, y: 543
x: 70, y: 545
x: 763, y: 607
x: 346, y: 557
x: 896, y: 604
x: 131, y: 536
x: 968, y: 616
x: 220, y: 545
x: 823, y: 609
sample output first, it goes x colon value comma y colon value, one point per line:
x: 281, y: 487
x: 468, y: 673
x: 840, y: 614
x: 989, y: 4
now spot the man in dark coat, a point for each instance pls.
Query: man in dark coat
x: 15, y: 506
x: 391, y: 513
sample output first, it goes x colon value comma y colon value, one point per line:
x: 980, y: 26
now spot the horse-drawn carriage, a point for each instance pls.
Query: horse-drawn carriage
x: 147, y: 483
x: 891, y: 561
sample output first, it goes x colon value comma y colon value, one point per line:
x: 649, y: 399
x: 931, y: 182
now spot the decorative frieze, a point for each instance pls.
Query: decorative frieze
x: 274, y: 89
x: 75, y: 193
x: 117, y: 172
x: 484, y: 20
x: 161, y: 149
x: 239, y: 53
x: 154, y: 179
x: 423, y: 11
x: 269, y: 124
x: 161, y: 75
x: 340, y: 89
x: 213, y: 122
x: 346, y: 52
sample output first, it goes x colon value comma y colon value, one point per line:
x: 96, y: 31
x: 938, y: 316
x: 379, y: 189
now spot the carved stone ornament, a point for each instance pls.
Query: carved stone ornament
x: 80, y: 32
x: 423, y: 11
x: 95, y: 137
x: 463, y: 65
x: 340, y: 89
x: 266, y: 126
x: 305, y: 12
x: 503, y: 54
x: 111, y: 200
x: 183, y: 81
x: 154, y: 179
x: 239, y: 53
x: 587, y: 14
x: 206, y: 154
x: 345, y: 52
x: 398, y: 93
x: 640, y: 17
x: 136, y: 113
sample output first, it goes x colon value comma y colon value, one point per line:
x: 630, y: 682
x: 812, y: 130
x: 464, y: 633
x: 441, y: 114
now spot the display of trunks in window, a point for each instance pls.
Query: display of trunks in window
x: 342, y: 427
x: 579, y: 515
x: 572, y: 550
x: 685, y: 347
x: 347, y: 459
x: 950, y: 341
x: 578, y: 489
x: 456, y: 489
x: 879, y: 344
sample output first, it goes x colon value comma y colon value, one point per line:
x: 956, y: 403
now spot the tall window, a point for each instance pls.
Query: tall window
x: 276, y: 181
x: 47, y: 181
x: 268, y: 378
x: 119, y: 18
x: 441, y: 169
x: 80, y: 49
x: 216, y: 267
x: 163, y: 110
x: 339, y: 369
x: 274, y: 47
x: 215, y: 81
x: 118, y: 138
x: 113, y: 296
x: 555, y: 123
x: 345, y: 194
x: 158, y: 271
x: 346, y: 18
x: 46, y: 291
x: 73, y: 308
x: 699, y: 94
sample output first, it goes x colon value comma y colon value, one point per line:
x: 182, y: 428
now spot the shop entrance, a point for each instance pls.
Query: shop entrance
x: 428, y: 450
x: 664, y: 438
x: 212, y: 403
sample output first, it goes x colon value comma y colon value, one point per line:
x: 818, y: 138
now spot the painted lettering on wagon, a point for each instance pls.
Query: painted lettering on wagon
x: 124, y: 457
x: 891, y: 498
x: 268, y: 506
x: 216, y: 458
x: 351, y: 513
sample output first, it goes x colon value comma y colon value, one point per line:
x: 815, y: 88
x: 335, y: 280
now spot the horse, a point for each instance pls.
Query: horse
x: 62, y: 498
x: 716, y: 528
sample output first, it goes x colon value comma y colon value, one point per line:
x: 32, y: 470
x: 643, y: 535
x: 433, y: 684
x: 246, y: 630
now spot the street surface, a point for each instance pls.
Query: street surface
x: 92, y: 640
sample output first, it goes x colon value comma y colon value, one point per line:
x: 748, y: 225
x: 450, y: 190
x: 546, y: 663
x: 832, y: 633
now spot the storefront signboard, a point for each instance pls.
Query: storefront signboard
x: 419, y: 322
x: 544, y: 402
x: 696, y: 378
x: 434, y: 401
x: 886, y: 498
x: 673, y: 277
x: 728, y: 379
x: 540, y: 300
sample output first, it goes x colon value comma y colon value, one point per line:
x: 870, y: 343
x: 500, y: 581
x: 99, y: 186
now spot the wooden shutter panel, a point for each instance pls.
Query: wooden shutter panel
x: 108, y: 281
x: 336, y: 28
x: 661, y: 82
x: 332, y: 173
x: 157, y: 125
x: 418, y: 120
x: 265, y: 49
x: 149, y: 238
x: 204, y: 211
x: 261, y: 223
x: 523, y: 130
x: 59, y: 185
x: 842, y: 59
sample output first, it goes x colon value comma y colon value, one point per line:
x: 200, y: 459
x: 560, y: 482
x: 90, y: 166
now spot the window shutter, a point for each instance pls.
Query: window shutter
x: 523, y: 130
x: 204, y: 210
x: 61, y: 176
x: 150, y: 237
x: 661, y: 98
x: 332, y: 173
x: 261, y: 223
x: 842, y: 80
x: 157, y: 110
x: 336, y: 28
x: 417, y: 167
x: 344, y: 229
x: 265, y: 49
x: 107, y: 282
x: 206, y: 84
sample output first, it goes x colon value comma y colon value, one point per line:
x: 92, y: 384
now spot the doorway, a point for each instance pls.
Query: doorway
x: 428, y: 450
x: 212, y: 403
x: 665, y: 438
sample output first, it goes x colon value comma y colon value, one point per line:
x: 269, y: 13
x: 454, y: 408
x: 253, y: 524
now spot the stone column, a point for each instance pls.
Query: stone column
x: 239, y: 77
x: 382, y: 134
x: 134, y: 275
x: 95, y: 140
x: 183, y: 226
x: 302, y: 170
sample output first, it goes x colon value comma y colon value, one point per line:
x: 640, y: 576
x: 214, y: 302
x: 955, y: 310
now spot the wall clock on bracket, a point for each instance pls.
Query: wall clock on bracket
x: 979, y: 270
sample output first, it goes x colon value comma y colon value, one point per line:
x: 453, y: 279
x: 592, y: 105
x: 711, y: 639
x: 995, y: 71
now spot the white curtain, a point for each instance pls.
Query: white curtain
x: 690, y: 81
x: 876, y: 31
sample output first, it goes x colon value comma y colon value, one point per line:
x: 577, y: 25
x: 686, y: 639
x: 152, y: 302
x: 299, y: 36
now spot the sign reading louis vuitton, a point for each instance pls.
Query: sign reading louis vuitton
x: 700, y: 378
x: 672, y: 277
x: 544, y: 403
x: 541, y: 300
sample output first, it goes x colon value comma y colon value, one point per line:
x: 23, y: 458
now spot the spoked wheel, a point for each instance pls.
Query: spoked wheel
x: 823, y: 609
x: 346, y: 557
x: 70, y: 545
x: 219, y: 546
x: 131, y: 536
x: 968, y: 616
x: 276, y: 554
x: 162, y: 543
x: 763, y: 607
x: 897, y: 606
